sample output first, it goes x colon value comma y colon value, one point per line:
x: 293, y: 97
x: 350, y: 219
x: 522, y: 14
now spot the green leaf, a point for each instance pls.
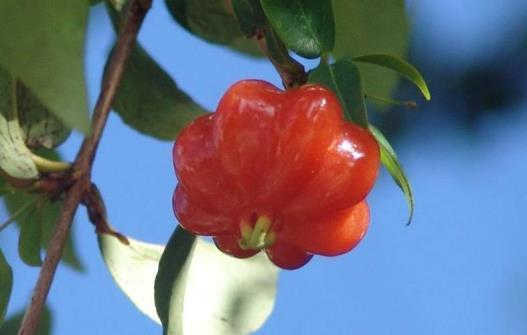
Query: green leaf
x: 213, y: 21
x: 250, y: 16
x: 306, y: 26
x: 37, y: 225
x: 171, y: 281
x: 42, y: 43
x: 398, y: 65
x: 30, y: 236
x: 149, y: 101
x: 344, y: 79
x: 391, y: 162
x: 199, y: 290
x: 15, y: 157
x: 6, y: 285
x: 371, y: 27
x: 3, y: 186
x: 12, y: 325
x: 40, y: 127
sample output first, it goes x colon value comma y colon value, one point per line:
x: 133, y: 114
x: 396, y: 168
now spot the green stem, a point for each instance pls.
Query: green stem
x: 46, y: 165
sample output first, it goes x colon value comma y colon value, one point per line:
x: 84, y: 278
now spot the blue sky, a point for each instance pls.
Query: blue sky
x: 458, y: 269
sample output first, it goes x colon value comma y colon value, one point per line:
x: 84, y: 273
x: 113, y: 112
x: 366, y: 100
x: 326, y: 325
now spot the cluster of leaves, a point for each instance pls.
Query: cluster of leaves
x: 43, y: 97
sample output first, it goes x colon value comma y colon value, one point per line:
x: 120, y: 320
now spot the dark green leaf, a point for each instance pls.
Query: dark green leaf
x: 42, y: 43
x: 40, y: 127
x: 399, y: 65
x: 367, y: 27
x: 250, y: 16
x: 306, y: 26
x: 171, y: 281
x: 42, y: 218
x: 213, y: 21
x: 29, y: 244
x: 391, y: 162
x: 198, y: 289
x: 6, y: 285
x: 15, y: 157
x: 344, y: 79
x: 149, y: 101
x: 12, y: 325
x: 3, y: 186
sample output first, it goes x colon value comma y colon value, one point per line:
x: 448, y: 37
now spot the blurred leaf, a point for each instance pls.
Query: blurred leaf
x: 216, y: 294
x: 3, y: 186
x: 30, y: 234
x: 41, y: 219
x: 11, y: 325
x: 149, y: 101
x: 391, y: 162
x: 344, y: 79
x: 213, y: 21
x: 42, y: 43
x: 6, y: 285
x: 305, y: 26
x: 399, y: 65
x: 250, y: 16
x: 15, y: 157
x: 368, y: 27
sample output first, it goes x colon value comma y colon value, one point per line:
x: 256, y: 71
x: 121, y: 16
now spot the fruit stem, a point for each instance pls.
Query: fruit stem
x: 46, y: 165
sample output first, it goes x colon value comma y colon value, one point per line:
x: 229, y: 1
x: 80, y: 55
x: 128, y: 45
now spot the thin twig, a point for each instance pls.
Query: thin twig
x: 97, y: 213
x: 135, y: 14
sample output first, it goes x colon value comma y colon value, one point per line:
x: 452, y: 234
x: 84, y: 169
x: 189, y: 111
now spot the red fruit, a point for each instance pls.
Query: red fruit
x: 276, y: 170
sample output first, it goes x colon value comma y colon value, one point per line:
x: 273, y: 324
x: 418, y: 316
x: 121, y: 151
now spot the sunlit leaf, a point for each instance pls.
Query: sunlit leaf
x: 305, y: 26
x: 219, y: 294
x: 42, y: 43
x: 399, y: 65
x: 391, y: 162
x: 344, y: 79
x: 6, y: 285
x: 371, y: 27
